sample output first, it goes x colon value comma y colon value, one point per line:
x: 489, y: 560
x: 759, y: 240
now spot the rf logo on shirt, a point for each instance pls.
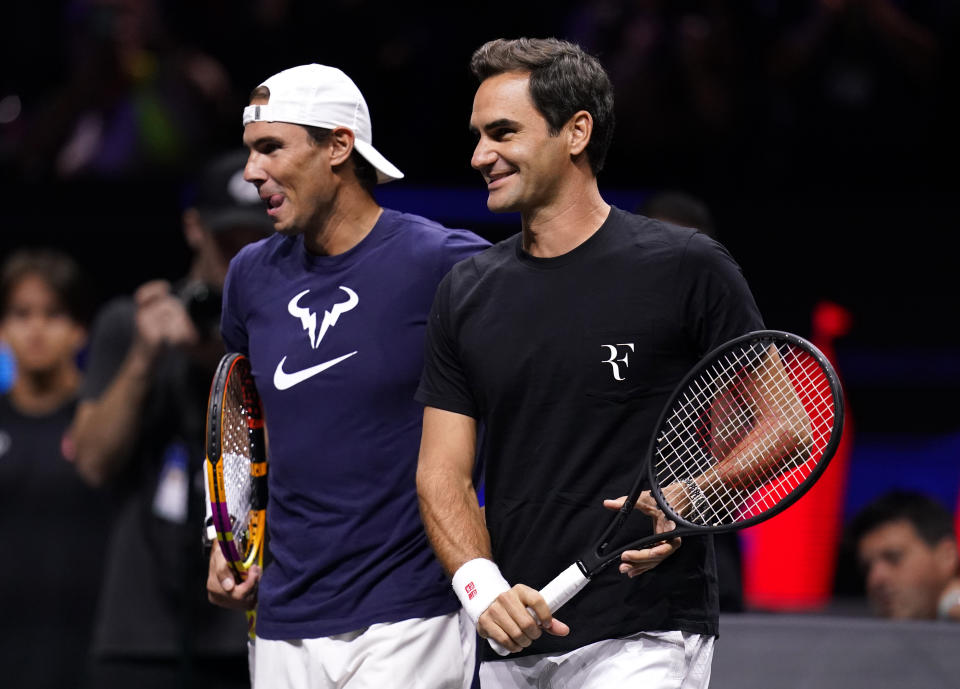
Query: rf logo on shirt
x: 283, y: 380
x: 619, y: 355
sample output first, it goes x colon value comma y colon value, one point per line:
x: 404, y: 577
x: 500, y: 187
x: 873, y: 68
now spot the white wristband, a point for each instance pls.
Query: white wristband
x: 477, y: 584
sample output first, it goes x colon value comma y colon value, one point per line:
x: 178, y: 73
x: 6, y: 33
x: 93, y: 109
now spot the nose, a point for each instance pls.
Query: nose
x: 877, y: 574
x: 252, y: 171
x: 483, y: 155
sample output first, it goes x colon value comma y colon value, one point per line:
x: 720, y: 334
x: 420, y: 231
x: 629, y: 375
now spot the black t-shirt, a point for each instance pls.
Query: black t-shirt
x: 568, y: 362
x: 55, y: 535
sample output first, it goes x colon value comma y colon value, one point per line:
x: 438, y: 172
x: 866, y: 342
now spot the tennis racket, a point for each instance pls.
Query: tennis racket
x: 237, y: 467
x: 744, y: 435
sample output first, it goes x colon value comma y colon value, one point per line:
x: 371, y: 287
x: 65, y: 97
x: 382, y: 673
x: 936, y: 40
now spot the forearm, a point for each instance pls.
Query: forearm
x: 105, y: 429
x: 448, y: 500
x: 453, y: 519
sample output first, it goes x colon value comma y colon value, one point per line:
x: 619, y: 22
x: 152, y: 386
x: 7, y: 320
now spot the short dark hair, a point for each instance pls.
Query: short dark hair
x: 56, y: 269
x: 365, y: 172
x: 563, y: 80
x: 931, y: 519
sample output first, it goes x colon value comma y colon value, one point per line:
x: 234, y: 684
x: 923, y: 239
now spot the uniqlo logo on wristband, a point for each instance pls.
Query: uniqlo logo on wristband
x: 471, y: 590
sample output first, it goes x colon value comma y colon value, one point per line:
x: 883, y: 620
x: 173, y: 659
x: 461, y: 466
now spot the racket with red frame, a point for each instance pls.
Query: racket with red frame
x: 743, y: 436
x: 237, y: 466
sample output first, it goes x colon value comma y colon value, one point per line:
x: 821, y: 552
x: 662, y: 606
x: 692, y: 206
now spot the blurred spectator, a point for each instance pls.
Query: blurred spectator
x: 907, y: 549
x: 680, y: 208
x: 54, y: 526
x: 847, y: 77
x: 140, y: 426
x: 678, y: 69
x: 135, y: 102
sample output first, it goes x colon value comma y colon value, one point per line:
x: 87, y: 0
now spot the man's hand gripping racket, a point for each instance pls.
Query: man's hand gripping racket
x: 746, y: 433
x: 237, y: 472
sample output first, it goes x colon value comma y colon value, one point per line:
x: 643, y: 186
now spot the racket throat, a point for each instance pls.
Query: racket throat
x: 593, y: 562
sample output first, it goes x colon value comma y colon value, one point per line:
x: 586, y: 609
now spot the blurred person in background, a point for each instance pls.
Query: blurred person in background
x: 54, y: 525
x: 907, y: 550
x: 137, y: 100
x: 139, y: 426
x: 679, y: 208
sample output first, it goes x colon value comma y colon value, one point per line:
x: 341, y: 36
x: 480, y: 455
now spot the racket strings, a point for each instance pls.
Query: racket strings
x: 690, y: 439
x: 745, y: 434
x: 237, y: 454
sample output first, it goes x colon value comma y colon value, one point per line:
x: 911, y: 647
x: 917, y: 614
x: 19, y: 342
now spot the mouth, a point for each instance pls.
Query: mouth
x: 273, y: 202
x: 496, y: 180
x: 885, y: 602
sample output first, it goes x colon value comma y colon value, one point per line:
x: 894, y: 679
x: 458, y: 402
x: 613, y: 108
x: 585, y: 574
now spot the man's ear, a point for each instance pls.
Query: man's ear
x: 947, y: 557
x: 579, y: 131
x: 341, y: 145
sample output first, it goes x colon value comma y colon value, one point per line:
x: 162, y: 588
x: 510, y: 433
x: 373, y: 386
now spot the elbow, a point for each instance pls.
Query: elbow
x: 93, y: 467
x: 423, y: 485
x: 90, y: 470
x: 801, y: 435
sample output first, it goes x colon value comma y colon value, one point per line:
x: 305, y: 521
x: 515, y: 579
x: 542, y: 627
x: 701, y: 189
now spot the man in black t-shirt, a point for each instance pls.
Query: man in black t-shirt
x: 564, y: 342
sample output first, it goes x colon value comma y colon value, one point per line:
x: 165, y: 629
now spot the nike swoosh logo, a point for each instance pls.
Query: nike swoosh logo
x: 284, y: 381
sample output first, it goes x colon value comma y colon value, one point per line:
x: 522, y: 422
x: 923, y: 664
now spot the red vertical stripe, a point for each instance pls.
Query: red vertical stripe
x: 790, y: 560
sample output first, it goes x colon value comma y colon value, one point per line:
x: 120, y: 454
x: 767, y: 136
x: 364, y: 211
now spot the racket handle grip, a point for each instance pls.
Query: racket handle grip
x: 564, y: 586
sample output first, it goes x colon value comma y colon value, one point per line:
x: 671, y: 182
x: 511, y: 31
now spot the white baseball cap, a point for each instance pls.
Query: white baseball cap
x: 322, y: 96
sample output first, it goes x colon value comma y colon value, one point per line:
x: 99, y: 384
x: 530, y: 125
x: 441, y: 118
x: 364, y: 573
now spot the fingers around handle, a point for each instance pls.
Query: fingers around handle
x: 557, y: 593
x: 564, y: 586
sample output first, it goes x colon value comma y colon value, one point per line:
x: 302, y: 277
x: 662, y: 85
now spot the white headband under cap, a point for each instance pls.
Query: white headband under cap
x: 321, y: 96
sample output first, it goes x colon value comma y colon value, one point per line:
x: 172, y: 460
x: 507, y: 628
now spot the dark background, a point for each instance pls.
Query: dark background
x: 822, y: 135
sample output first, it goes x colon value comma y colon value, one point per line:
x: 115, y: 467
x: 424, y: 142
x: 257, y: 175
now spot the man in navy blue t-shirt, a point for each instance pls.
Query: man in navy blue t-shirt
x: 332, y: 311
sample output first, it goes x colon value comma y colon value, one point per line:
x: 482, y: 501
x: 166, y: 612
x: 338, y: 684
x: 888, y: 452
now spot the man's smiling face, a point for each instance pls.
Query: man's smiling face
x: 520, y: 160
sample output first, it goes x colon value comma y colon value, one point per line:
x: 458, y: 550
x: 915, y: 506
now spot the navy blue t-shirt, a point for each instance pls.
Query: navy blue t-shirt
x: 336, y: 347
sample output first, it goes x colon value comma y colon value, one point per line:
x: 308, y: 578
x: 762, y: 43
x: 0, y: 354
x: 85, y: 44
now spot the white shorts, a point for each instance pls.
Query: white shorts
x: 422, y: 653
x: 654, y: 660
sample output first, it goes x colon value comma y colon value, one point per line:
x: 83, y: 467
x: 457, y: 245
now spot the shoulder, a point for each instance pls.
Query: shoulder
x: 428, y: 244
x: 430, y: 233
x: 262, y: 251
x: 115, y: 315
x: 686, y: 244
x: 640, y: 229
x: 485, y: 264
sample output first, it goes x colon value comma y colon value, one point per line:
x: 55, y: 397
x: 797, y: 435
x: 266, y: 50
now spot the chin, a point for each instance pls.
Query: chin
x: 286, y: 230
x: 496, y: 206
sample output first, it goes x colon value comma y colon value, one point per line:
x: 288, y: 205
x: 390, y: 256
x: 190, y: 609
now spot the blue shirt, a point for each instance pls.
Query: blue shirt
x: 336, y: 347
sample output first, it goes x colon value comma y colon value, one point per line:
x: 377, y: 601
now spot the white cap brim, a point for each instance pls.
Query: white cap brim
x: 386, y: 171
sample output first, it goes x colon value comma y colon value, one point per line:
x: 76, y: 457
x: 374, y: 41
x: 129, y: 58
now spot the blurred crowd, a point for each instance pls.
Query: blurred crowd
x: 110, y: 108
x: 801, y: 113
x: 764, y: 90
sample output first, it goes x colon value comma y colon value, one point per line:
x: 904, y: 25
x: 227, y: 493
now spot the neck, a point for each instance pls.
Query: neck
x: 350, y: 218
x: 43, y: 392
x: 563, y: 225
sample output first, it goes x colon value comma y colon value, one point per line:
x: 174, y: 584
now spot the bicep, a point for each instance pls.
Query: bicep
x: 447, y: 446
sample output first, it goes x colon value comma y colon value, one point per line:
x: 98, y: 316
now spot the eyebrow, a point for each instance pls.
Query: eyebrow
x: 259, y: 141
x: 496, y: 124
